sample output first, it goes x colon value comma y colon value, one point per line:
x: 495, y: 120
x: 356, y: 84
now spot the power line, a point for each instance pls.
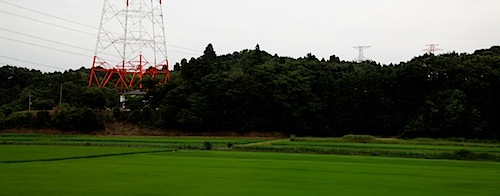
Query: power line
x: 49, y: 15
x: 67, y: 28
x: 74, y: 22
x: 79, y: 32
x: 56, y: 42
x: 52, y: 41
x: 59, y: 50
x: 47, y: 23
x: 184, y: 48
x: 25, y: 61
x: 78, y: 23
x: 170, y: 50
x: 50, y: 48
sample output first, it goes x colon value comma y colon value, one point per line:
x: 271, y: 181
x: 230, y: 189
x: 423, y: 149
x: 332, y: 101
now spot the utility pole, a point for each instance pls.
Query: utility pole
x: 60, y: 95
x: 29, y: 101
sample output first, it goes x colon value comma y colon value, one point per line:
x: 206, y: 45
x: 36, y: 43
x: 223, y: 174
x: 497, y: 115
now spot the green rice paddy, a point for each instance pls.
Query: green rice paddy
x: 134, y: 168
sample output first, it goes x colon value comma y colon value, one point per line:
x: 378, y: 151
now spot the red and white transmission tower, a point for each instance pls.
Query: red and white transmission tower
x: 432, y: 48
x: 130, y: 44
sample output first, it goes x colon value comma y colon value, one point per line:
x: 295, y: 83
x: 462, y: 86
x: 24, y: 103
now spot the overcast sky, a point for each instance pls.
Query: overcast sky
x: 397, y: 30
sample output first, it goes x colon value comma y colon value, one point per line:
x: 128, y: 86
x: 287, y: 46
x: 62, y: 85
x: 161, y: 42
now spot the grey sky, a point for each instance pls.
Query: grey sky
x: 397, y: 30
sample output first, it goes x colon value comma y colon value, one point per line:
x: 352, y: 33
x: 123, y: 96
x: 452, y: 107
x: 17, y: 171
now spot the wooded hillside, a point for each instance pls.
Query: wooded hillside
x: 448, y: 95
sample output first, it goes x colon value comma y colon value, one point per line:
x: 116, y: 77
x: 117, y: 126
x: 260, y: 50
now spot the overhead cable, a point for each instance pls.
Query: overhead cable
x: 47, y: 40
x: 74, y: 22
x: 52, y: 41
x: 47, y: 23
x: 25, y: 61
x: 46, y: 47
x: 49, y: 15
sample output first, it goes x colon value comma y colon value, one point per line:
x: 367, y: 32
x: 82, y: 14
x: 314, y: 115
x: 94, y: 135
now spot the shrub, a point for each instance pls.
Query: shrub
x: 42, y: 119
x: 293, y: 138
x: 43, y: 104
x: 229, y: 145
x: 358, y: 138
x: 77, y: 119
x: 19, y: 120
x: 207, y: 145
x: 465, y: 155
x: 117, y: 114
x: 2, y: 121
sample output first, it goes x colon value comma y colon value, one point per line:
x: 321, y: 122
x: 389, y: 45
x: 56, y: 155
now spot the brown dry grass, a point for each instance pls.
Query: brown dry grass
x: 129, y: 129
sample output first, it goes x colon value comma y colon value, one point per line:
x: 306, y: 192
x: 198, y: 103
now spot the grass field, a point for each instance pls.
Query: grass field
x: 88, y: 165
x: 30, y: 153
x: 419, y: 148
x: 160, y: 142
x: 236, y: 173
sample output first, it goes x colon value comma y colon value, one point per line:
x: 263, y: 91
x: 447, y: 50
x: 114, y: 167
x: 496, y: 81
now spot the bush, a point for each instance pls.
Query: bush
x: 2, y: 121
x: 19, y: 120
x: 207, y: 145
x: 358, y: 138
x: 42, y: 119
x: 117, y: 114
x: 77, y: 119
x: 465, y: 155
x: 293, y: 138
x: 43, y: 104
x: 230, y: 145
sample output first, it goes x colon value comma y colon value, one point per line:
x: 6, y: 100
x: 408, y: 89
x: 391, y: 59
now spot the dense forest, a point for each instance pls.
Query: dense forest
x: 439, y: 96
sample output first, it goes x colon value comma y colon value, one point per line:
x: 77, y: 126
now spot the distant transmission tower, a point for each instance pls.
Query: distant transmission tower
x: 130, y: 44
x: 361, y: 56
x: 432, y: 48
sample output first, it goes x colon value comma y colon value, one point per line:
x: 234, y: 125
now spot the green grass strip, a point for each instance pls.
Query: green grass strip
x: 425, y: 154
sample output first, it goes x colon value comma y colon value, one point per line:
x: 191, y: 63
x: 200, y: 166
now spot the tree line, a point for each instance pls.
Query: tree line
x: 439, y: 96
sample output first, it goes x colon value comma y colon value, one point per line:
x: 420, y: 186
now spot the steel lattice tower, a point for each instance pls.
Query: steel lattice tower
x: 432, y: 48
x: 130, y: 44
x: 361, y: 56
